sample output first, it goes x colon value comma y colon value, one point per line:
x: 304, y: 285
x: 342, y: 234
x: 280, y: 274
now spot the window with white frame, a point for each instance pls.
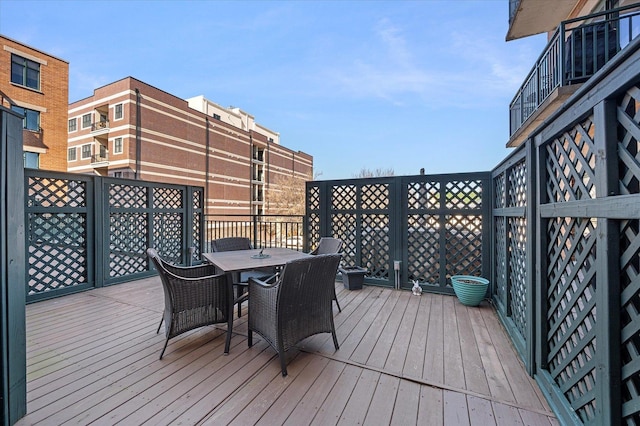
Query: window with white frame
x: 72, y: 154
x: 86, y: 151
x: 86, y: 121
x: 73, y: 125
x: 117, y: 112
x: 117, y: 146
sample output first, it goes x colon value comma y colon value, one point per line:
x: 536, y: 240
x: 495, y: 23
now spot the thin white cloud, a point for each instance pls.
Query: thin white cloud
x: 464, y: 70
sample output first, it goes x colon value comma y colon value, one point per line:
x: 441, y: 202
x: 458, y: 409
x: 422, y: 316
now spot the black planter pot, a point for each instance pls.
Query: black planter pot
x: 352, y: 277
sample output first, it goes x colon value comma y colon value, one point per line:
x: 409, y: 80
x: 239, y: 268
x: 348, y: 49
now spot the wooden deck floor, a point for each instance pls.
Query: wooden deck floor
x: 92, y: 358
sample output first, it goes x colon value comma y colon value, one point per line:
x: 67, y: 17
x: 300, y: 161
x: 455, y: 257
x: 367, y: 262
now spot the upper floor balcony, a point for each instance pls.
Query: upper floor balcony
x: 578, y: 49
x: 100, y: 127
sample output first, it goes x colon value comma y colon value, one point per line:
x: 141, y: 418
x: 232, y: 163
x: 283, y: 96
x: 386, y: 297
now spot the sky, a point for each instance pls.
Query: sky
x: 399, y: 85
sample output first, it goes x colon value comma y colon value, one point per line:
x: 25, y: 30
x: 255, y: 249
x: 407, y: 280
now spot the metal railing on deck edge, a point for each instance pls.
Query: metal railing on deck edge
x: 574, y: 58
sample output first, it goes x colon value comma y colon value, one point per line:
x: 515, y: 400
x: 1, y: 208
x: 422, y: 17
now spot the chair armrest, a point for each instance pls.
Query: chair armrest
x: 198, y: 271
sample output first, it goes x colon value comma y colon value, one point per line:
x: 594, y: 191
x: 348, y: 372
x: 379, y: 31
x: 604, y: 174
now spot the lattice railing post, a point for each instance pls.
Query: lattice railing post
x: 608, y: 372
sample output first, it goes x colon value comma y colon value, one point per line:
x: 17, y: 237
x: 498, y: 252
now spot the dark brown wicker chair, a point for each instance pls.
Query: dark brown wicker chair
x: 296, y: 306
x: 193, y: 297
x: 328, y: 245
x: 240, y: 280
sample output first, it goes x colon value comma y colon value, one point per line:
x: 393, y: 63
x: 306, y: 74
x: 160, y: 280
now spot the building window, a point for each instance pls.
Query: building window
x: 117, y: 146
x: 86, y: 121
x: 31, y: 120
x: 117, y: 114
x: 71, y: 154
x: 216, y: 116
x: 31, y: 160
x: 73, y: 125
x: 25, y: 72
x: 86, y: 151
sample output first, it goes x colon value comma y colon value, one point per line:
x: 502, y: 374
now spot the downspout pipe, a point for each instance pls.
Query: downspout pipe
x: 138, y: 134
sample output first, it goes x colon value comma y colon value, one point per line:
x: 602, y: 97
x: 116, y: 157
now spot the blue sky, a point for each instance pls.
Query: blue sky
x: 399, y: 85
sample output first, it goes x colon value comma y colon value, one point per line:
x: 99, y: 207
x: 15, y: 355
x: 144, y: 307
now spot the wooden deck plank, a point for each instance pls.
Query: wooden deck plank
x: 379, y: 322
x: 416, y: 353
x: 506, y: 415
x: 523, y: 386
x: 332, y: 407
x: 400, y: 346
x: 365, y: 316
x: 283, y: 407
x: 359, y: 400
x: 480, y: 411
x: 382, y: 350
x: 254, y: 411
x: 474, y: 373
x: 405, y: 411
x: 106, y: 369
x: 456, y: 410
x: 198, y: 403
x: 431, y: 410
x: 308, y: 407
x: 148, y: 395
x: 384, y: 397
x: 453, y: 366
x: 434, y: 352
x: 496, y: 377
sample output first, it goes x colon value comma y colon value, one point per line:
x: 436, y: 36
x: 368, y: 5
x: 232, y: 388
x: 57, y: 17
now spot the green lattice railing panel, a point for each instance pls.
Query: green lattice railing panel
x: 628, y: 141
x: 128, y: 196
x: 375, y: 245
x: 464, y: 245
x: 343, y: 226
x: 517, y: 191
x: 423, y: 249
x: 167, y: 198
x: 313, y: 229
x: 57, y: 247
x: 500, y: 260
x: 500, y: 191
x: 56, y: 234
x: 54, y: 192
x: 197, y: 198
x: 571, y: 164
x: 571, y: 313
x: 517, y: 259
x: 629, y: 183
x: 167, y: 228
x: 344, y: 197
x: 423, y: 195
x: 128, y: 243
x: 464, y: 194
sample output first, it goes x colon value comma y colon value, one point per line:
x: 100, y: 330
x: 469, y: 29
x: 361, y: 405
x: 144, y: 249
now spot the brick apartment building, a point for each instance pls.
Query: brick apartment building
x: 36, y: 85
x: 131, y: 129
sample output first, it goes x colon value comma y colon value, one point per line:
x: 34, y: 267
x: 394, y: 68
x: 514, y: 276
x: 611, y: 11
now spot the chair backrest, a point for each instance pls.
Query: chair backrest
x: 328, y: 245
x: 306, y: 286
x: 231, y: 244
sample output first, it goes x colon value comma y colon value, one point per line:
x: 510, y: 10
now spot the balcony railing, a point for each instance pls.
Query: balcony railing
x: 262, y: 230
x: 100, y: 125
x: 572, y: 56
x: 100, y: 158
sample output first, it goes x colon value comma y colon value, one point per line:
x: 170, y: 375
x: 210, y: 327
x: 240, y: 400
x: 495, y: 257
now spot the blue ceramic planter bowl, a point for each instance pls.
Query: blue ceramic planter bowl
x: 470, y: 290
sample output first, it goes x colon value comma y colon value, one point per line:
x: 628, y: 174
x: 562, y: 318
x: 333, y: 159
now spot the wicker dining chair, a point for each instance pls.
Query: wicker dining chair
x: 296, y: 306
x: 241, y: 279
x: 193, y: 297
x: 329, y: 245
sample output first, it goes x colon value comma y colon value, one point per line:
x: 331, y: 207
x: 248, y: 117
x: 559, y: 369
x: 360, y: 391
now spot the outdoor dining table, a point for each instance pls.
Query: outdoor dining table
x: 254, y: 259
x: 245, y: 260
